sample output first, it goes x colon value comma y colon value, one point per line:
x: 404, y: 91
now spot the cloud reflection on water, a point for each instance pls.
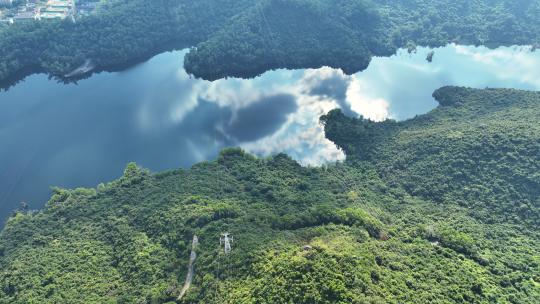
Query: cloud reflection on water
x: 397, y: 87
x: 154, y: 114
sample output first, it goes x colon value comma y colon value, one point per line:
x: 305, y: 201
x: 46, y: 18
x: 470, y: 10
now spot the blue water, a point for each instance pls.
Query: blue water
x: 82, y: 134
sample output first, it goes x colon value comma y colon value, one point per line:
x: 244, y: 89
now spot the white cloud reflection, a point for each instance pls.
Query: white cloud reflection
x: 397, y: 87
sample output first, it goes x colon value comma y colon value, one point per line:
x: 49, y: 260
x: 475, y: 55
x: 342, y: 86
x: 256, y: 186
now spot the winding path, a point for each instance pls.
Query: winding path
x: 189, y: 276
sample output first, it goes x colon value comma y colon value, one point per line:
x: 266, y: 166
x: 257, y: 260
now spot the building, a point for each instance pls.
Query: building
x: 57, y: 9
x: 24, y: 16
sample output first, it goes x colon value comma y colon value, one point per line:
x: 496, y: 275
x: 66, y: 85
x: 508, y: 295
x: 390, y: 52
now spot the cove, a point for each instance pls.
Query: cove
x: 78, y: 135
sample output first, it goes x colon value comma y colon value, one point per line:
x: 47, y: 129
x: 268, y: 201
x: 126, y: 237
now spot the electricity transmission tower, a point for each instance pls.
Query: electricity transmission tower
x: 225, y: 240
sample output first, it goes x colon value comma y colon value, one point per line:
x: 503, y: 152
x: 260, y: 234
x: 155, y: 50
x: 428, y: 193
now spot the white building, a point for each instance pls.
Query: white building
x: 57, y: 9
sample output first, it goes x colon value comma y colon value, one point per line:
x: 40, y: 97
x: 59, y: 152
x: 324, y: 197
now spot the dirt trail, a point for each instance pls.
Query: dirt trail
x: 189, y: 276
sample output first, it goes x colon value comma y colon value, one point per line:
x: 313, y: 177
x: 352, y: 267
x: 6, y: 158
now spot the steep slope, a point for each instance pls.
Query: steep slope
x: 353, y: 232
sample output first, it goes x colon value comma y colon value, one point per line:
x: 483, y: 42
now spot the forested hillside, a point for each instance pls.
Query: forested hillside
x: 245, y: 38
x: 442, y: 208
x: 347, y: 33
x: 121, y: 33
x: 480, y: 149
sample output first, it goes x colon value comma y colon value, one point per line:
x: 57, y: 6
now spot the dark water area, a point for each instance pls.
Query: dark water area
x: 74, y: 135
x: 81, y: 134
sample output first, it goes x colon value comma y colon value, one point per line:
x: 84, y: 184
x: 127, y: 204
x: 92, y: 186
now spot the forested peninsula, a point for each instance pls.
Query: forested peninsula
x: 244, y: 38
x: 441, y: 208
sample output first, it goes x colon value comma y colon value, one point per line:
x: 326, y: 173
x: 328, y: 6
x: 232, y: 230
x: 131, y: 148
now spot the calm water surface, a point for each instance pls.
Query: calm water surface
x: 83, y: 134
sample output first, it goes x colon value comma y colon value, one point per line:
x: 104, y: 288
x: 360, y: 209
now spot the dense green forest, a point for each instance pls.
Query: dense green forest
x: 480, y: 149
x: 442, y: 208
x: 245, y: 38
x: 119, y: 34
x: 347, y: 33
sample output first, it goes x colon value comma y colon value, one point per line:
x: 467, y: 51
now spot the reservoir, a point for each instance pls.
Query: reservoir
x: 82, y: 134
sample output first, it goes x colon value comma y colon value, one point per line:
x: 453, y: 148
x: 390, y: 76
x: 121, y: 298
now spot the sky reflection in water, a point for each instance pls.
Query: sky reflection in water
x: 154, y: 114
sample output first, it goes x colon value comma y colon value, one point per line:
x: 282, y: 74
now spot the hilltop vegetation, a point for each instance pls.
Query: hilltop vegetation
x: 480, y: 149
x: 345, y: 34
x: 244, y: 38
x: 423, y: 211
